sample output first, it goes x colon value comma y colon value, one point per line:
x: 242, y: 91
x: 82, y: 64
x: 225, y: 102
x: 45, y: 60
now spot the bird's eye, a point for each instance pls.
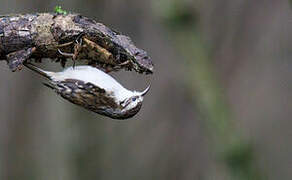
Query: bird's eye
x: 134, y: 99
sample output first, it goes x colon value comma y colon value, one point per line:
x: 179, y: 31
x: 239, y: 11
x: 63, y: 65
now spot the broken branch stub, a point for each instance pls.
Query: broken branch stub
x: 59, y: 36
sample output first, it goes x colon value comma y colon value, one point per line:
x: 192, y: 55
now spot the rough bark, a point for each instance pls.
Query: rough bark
x: 58, y: 36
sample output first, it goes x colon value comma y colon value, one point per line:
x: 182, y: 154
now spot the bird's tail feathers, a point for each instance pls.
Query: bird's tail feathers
x: 37, y: 70
x: 49, y: 85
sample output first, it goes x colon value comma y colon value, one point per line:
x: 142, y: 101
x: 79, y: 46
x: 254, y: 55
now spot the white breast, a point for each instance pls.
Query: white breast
x: 96, y: 77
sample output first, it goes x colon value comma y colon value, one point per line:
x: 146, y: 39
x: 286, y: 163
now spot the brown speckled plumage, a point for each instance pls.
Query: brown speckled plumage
x: 92, y: 98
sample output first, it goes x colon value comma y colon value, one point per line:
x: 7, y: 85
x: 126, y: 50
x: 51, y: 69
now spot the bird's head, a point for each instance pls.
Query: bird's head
x: 132, y: 104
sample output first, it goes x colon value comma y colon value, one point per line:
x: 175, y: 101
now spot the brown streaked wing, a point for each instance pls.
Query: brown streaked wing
x: 84, y: 94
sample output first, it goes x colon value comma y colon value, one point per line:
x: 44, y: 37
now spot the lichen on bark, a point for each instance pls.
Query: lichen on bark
x: 59, y: 36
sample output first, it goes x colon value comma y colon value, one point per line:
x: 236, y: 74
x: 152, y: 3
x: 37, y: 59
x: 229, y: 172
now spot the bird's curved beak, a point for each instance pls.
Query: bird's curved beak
x: 145, y: 91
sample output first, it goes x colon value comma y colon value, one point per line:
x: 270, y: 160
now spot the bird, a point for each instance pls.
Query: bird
x: 94, y: 90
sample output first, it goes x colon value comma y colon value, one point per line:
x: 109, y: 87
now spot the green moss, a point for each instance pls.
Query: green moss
x: 59, y: 10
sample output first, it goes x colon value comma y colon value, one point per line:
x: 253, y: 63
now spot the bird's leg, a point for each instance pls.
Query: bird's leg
x: 77, y: 49
x: 15, y: 59
x: 66, y: 54
x: 124, y: 63
x: 116, y: 68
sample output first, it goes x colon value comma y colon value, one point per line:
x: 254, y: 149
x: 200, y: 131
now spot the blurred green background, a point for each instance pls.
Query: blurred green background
x: 219, y: 106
